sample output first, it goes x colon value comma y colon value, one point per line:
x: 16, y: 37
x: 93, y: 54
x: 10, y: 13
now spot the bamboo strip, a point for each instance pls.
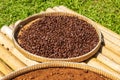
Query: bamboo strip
x: 108, y: 53
x: 57, y: 9
x: 11, y: 26
x: 10, y: 59
x: 7, y: 30
x: 4, y: 68
x: 9, y: 44
x: 104, y: 29
x: 49, y: 10
x: 111, y: 38
x: 1, y: 74
x: 16, y: 23
x: 65, y: 9
x: 6, y: 41
x: 41, y: 11
x: 97, y: 64
x: 111, y: 46
x: 21, y: 57
x: 108, y: 62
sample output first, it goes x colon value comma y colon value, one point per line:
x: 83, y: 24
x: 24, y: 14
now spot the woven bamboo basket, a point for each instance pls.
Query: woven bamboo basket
x: 57, y: 64
x: 44, y: 59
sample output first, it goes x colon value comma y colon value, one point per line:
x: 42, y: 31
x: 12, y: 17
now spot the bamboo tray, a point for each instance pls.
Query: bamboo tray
x: 107, y: 58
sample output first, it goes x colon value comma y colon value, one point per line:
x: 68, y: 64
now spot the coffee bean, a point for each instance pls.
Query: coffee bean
x: 2, y: 44
x: 7, y: 49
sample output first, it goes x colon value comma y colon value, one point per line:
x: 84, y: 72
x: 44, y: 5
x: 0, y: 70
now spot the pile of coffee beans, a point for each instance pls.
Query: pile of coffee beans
x: 58, y: 37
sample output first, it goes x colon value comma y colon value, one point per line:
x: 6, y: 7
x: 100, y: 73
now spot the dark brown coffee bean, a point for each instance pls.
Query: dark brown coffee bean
x: 7, y: 49
x: 2, y: 44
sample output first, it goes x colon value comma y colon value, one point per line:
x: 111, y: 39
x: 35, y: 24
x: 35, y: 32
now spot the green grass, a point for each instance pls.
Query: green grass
x: 105, y: 12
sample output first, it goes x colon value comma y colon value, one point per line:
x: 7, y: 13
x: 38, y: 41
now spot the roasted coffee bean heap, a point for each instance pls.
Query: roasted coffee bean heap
x: 59, y: 37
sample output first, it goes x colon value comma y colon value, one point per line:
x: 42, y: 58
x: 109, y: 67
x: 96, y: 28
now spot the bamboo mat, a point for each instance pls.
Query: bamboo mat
x: 107, y: 59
